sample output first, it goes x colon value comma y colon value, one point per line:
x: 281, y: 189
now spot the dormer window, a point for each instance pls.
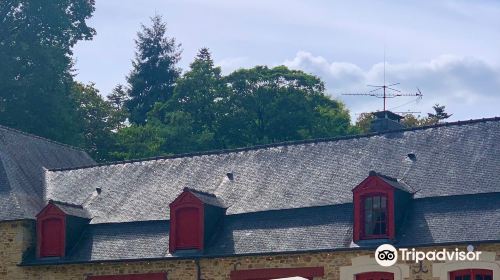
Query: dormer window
x: 194, y: 217
x: 375, y: 216
x: 51, y: 233
x: 379, y: 203
x: 58, y: 227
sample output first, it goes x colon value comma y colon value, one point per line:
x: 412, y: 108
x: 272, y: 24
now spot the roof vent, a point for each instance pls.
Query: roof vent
x: 230, y: 176
x: 92, y: 196
x: 412, y: 157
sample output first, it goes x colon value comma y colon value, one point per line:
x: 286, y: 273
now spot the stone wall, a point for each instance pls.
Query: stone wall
x: 16, y: 237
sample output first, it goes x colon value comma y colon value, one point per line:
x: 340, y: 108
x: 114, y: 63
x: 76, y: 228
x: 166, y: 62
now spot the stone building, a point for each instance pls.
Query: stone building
x: 312, y: 209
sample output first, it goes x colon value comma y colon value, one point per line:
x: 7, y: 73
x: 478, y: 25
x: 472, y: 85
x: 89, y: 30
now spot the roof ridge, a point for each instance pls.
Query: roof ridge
x: 199, y: 192
x: 10, y: 129
x: 375, y: 173
x: 281, y: 144
x: 66, y: 203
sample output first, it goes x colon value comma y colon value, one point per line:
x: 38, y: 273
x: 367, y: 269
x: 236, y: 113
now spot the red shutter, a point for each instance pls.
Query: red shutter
x: 187, y: 229
x: 375, y: 276
x: 52, y: 237
x: 147, y: 276
x: 186, y: 223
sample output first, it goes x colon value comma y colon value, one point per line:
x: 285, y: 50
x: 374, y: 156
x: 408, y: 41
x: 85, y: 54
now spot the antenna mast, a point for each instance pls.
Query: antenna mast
x: 387, y: 91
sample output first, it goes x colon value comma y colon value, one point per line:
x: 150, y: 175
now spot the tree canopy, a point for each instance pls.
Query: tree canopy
x: 154, y: 71
x: 36, y: 75
x: 160, y: 110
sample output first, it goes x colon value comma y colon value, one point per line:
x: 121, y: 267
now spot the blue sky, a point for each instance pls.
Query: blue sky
x: 448, y: 49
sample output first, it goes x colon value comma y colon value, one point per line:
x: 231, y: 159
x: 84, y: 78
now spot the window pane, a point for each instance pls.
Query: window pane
x: 479, y: 277
x: 383, y: 203
x: 376, y: 202
x: 368, y: 203
x: 368, y: 228
x: 382, y: 228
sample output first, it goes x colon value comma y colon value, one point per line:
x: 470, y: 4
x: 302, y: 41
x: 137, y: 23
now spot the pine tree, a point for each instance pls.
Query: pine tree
x: 118, y: 97
x: 190, y: 116
x: 439, y: 113
x: 198, y: 90
x: 155, y: 70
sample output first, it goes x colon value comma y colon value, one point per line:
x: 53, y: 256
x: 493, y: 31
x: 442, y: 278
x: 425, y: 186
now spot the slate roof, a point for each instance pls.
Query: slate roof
x: 207, y: 198
x: 72, y: 210
x: 288, y: 197
x: 448, y: 159
x: 438, y: 220
x: 394, y: 182
x: 23, y: 161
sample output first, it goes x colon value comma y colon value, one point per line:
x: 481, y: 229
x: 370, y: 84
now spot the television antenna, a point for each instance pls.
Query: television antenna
x: 386, y: 91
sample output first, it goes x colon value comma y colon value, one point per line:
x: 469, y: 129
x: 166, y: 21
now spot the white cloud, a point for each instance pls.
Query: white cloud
x: 469, y: 87
x: 231, y: 64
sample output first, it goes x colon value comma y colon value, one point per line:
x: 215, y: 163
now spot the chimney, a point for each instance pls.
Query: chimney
x: 386, y: 121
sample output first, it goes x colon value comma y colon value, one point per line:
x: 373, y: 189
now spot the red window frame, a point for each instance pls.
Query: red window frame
x: 375, y: 276
x: 472, y: 273
x: 144, y: 276
x: 373, y: 186
x: 381, y: 197
x: 272, y: 273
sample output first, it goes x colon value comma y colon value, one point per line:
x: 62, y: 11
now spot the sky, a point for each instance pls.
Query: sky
x: 450, y: 50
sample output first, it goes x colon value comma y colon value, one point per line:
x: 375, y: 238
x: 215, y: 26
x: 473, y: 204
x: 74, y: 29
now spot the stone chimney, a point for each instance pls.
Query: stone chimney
x: 386, y: 121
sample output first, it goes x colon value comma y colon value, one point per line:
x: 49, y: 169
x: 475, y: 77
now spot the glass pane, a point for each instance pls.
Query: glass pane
x: 376, y: 202
x: 383, y: 202
x: 479, y: 277
x: 382, y: 228
x: 488, y: 277
x: 466, y: 277
x: 368, y: 203
x: 368, y: 228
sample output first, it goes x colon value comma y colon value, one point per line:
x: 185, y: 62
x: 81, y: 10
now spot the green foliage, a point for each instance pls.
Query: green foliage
x: 250, y: 106
x: 35, y: 76
x: 138, y: 141
x: 364, y: 120
x: 439, y: 113
x: 154, y: 72
x: 432, y: 118
x: 159, y: 111
x: 98, y: 121
x: 268, y: 105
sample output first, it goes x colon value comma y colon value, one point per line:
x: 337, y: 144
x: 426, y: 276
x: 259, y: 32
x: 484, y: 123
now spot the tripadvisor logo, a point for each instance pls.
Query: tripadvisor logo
x: 387, y: 255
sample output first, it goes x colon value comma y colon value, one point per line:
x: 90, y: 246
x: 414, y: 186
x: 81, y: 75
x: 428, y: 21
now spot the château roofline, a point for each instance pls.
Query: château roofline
x: 279, y: 144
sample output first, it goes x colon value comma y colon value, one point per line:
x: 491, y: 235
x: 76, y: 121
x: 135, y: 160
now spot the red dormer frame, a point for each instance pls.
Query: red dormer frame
x: 186, y: 223
x: 51, y: 232
x: 370, y: 187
